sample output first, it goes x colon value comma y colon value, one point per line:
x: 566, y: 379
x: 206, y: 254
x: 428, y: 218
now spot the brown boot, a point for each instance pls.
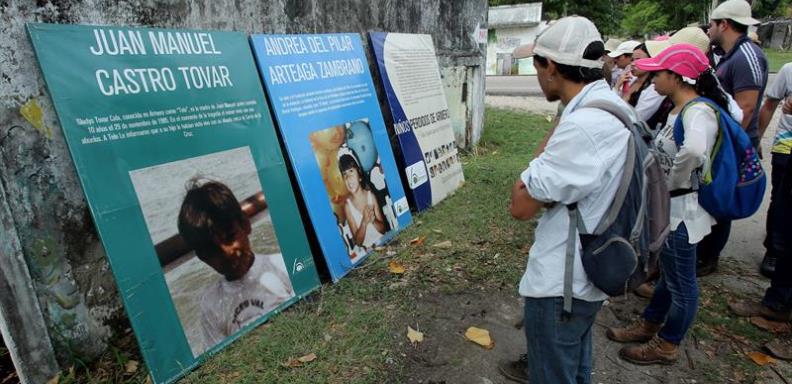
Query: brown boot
x: 656, y: 351
x: 640, y: 331
x: 781, y: 349
x: 747, y: 308
x: 645, y: 290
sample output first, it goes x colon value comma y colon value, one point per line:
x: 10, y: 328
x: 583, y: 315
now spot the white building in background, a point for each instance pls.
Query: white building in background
x: 510, y: 26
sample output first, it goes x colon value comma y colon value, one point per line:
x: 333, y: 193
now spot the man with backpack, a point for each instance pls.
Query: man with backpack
x: 742, y: 72
x: 580, y: 163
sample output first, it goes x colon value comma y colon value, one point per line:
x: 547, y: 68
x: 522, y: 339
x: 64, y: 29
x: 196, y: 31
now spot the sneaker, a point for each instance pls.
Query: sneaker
x: 640, y: 331
x: 656, y: 351
x: 747, y: 308
x: 768, y: 265
x: 645, y: 290
x: 516, y: 371
x: 781, y: 349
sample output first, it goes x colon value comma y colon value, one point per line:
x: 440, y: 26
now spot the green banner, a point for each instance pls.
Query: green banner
x: 175, y: 148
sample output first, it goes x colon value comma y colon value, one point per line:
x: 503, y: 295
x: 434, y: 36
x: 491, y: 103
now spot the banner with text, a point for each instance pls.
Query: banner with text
x: 411, y: 79
x: 176, y: 151
x: 324, y: 100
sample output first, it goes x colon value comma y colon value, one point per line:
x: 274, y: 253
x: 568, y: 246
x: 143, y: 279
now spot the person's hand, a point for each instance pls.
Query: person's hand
x: 786, y: 108
x: 368, y: 214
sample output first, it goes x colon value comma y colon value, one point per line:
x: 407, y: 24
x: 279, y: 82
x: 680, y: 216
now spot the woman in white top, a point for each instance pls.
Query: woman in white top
x: 682, y: 72
x: 363, y: 214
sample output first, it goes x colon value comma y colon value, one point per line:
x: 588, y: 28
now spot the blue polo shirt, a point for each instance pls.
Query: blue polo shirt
x: 744, y: 68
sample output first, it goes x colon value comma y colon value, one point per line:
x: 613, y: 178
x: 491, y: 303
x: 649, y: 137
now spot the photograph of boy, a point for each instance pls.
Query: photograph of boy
x: 211, y: 222
x: 213, y: 234
x: 355, y: 182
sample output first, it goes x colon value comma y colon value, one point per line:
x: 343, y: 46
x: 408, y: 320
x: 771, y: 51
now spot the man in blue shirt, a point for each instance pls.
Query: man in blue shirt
x: 742, y: 72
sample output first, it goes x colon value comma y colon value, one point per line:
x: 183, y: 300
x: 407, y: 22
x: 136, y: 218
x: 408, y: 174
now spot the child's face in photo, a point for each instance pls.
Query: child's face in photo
x: 235, y: 253
x: 352, y: 179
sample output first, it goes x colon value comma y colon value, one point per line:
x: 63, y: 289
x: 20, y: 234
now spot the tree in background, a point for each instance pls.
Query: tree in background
x: 643, y: 17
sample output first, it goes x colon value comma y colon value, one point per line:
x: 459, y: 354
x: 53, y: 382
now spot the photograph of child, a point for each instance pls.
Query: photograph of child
x: 229, y: 271
x: 355, y: 182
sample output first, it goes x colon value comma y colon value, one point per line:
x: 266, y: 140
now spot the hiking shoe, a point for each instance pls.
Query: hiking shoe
x: 640, y: 331
x: 656, y: 351
x: 746, y: 308
x: 516, y: 371
x: 645, y: 290
x: 768, y: 265
x: 781, y: 349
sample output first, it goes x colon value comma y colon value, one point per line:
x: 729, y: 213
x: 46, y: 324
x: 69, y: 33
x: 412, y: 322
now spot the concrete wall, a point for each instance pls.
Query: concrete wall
x: 57, y: 296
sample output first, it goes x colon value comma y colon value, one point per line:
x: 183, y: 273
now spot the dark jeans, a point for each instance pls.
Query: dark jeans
x: 675, y: 298
x: 779, y: 295
x: 774, y: 241
x: 559, y: 351
x: 710, y: 247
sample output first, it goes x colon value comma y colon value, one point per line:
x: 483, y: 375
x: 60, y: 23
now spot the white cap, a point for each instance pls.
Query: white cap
x: 625, y: 48
x: 654, y: 47
x: 565, y: 41
x: 737, y: 10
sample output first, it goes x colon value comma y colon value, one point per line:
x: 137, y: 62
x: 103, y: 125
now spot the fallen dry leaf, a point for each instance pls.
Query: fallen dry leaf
x: 418, y: 241
x: 771, y: 326
x: 437, y: 231
x: 131, y: 366
x: 395, y: 267
x: 480, y: 337
x: 444, y: 244
x: 760, y: 358
x: 414, y: 336
x: 307, y: 358
x: 549, y: 118
x: 54, y: 380
x: 300, y: 361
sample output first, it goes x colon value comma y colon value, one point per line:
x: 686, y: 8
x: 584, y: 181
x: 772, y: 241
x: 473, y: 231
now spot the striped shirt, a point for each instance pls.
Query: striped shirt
x: 744, y: 68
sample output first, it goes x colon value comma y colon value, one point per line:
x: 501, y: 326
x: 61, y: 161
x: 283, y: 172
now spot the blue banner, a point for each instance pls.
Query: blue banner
x: 320, y: 89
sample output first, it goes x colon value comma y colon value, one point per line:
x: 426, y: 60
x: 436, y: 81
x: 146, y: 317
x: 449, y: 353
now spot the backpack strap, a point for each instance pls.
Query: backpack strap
x: 679, y: 137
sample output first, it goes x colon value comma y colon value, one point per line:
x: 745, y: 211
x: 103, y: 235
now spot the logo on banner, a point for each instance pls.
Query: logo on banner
x: 401, y: 206
x: 416, y: 174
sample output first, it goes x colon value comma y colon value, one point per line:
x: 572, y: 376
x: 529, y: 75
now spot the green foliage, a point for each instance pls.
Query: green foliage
x: 643, y: 17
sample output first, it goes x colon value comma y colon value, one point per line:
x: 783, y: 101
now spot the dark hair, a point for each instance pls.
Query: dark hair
x: 707, y: 85
x: 209, y: 212
x: 737, y: 27
x: 642, y: 47
x: 637, y: 95
x: 346, y: 162
x: 594, y: 51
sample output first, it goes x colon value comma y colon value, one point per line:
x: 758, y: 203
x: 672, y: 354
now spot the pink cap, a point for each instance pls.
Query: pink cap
x: 683, y: 59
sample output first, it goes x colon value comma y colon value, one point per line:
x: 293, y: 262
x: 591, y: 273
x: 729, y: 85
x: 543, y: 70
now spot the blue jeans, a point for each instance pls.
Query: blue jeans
x: 675, y: 299
x: 559, y: 351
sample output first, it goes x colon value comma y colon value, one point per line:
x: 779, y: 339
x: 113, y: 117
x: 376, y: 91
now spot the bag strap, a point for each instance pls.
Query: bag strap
x: 569, y: 262
x: 679, y: 137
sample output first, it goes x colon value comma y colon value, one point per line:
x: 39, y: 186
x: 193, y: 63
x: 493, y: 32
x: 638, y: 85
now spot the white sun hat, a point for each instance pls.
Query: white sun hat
x: 737, y: 10
x: 565, y: 41
x: 625, y: 48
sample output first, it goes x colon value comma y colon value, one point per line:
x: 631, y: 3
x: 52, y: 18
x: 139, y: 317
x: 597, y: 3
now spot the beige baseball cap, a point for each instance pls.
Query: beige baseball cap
x: 737, y: 10
x: 612, y: 44
x: 691, y: 35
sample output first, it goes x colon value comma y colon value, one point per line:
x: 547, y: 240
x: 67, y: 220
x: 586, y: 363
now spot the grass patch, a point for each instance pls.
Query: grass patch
x: 356, y: 327
x: 777, y: 58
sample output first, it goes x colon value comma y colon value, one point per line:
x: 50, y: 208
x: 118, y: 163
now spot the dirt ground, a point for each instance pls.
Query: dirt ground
x: 713, y: 352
